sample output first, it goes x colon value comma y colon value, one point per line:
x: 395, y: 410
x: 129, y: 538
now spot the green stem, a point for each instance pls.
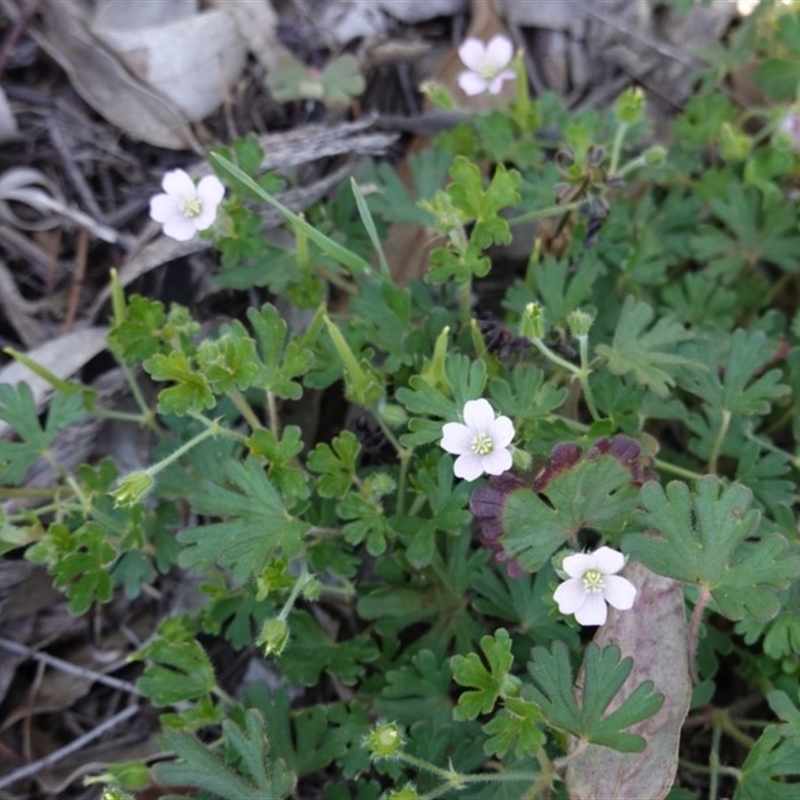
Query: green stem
x: 213, y: 429
x: 404, y: 454
x: 674, y: 469
x: 348, y: 287
x: 302, y: 579
x: 616, y: 149
x: 543, y: 213
x: 555, y: 358
x: 245, y: 409
x: 694, y: 631
x: 583, y: 347
x: 465, y: 300
x: 274, y: 419
x: 717, y: 446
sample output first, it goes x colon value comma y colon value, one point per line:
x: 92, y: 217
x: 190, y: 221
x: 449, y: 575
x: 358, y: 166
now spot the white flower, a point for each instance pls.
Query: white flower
x: 185, y: 208
x: 481, y: 443
x: 592, y: 583
x: 486, y: 64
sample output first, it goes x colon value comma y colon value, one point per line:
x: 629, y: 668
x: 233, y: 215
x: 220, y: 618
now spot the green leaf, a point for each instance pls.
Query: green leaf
x: 310, y: 652
x: 18, y: 409
x: 735, y: 390
x: 708, y: 538
x: 280, y: 364
x: 336, y: 464
x: 489, y: 684
x: 257, y: 776
x: 517, y: 726
x: 229, y: 362
x: 604, y: 675
x: 281, y: 454
x: 597, y: 493
x: 787, y: 710
x: 134, y: 339
x: 647, y: 352
x: 80, y: 563
x: 770, y: 761
x: 179, y: 669
x: 256, y: 530
x: 418, y: 690
x: 342, y: 81
x: 192, y: 392
x: 779, y: 77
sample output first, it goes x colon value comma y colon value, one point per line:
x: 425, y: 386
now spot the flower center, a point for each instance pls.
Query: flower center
x: 489, y: 70
x: 593, y: 580
x: 482, y: 444
x: 191, y: 206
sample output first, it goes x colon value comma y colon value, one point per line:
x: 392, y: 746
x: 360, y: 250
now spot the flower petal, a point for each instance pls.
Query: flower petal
x: 570, y: 596
x: 163, y: 207
x: 478, y: 415
x: 497, y: 462
x: 502, y: 432
x: 576, y: 564
x: 594, y: 611
x: 619, y: 592
x: 179, y: 228
x: 177, y: 183
x: 456, y: 438
x: 499, y: 50
x: 608, y: 561
x: 211, y: 191
x: 206, y: 218
x: 468, y: 466
x: 496, y: 86
x: 472, y: 53
x: 471, y: 83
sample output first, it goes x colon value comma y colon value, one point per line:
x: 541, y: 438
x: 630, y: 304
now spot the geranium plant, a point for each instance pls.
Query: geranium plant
x: 456, y: 580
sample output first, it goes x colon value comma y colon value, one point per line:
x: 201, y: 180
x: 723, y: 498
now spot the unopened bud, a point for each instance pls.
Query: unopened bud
x: 132, y: 488
x: 273, y: 637
x: 579, y: 323
x: 384, y: 740
x: 630, y: 106
x: 532, y: 323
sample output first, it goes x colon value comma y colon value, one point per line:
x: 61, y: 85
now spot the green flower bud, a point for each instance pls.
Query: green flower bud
x: 655, y: 156
x: 408, y: 792
x: 579, y: 323
x: 734, y: 145
x: 132, y: 488
x: 532, y: 323
x: 384, y: 740
x: 630, y: 106
x: 521, y: 458
x: 393, y: 415
x: 273, y: 637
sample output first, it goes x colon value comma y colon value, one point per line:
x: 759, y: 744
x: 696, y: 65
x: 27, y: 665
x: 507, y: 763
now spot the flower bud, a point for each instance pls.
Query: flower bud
x: 132, y: 488
x: 630, y: 106
x: 408, y: 792
x: 273, y: 637
x: 521, y: 458
x: 532, y: 322
x: 579, y: 323
x: 655, y: 156
x: 384, y: 740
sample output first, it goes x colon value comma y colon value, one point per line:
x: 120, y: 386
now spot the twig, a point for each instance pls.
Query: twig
x: 78, y: 275
x: 77, y: 744
x: 65, y: 666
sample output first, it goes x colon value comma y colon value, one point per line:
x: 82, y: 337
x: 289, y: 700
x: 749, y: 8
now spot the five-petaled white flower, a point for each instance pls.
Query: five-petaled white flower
x: 185, y: 208
x: 481, y: 442
x: 592, y: 583
x: 486, y: 64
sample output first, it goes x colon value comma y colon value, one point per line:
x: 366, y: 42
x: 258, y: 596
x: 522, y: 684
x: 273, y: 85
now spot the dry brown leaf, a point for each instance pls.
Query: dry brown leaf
x: 105, y: 84
x: 63, y: 356
x: 191, y: 61
x: 654, y: 635
x: 9, y: 131
x: 257, y: 23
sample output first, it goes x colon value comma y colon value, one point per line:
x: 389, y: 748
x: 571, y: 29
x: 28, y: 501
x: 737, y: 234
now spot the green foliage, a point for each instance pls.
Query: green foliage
x: 585, y: 717
x: 648, y: 352
x: 198, y: 766
x: 707, y: 537
x: 256, y: 529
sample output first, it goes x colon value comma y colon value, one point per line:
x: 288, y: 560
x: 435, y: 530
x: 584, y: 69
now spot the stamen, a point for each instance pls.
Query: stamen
x: 482, y: 444
x: 191, y: 206
x: 593, y: 580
